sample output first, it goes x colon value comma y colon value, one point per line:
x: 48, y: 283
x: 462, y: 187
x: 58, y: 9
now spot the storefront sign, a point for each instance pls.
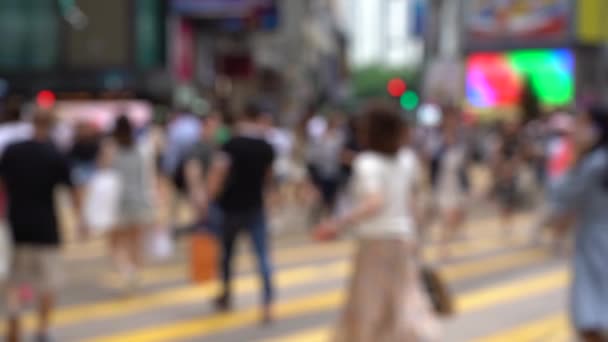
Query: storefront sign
x: 496, y: 22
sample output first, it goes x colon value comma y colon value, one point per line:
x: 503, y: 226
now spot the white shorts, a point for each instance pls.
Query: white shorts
x: 36, y: 266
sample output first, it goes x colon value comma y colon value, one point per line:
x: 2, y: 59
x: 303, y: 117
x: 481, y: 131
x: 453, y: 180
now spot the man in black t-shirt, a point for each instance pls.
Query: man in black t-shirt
x: 249, y: 165
x: 30, y: 171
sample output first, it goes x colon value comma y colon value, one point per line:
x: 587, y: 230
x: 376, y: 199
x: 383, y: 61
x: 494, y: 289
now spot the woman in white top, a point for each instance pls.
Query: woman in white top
x: 386, y: 300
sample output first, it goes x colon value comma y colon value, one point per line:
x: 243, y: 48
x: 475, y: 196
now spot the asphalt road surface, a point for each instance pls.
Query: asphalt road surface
x: 505, y: 289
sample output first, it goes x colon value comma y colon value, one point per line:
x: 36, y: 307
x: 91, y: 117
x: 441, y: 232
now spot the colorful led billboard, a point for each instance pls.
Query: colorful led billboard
x: 498, y: 79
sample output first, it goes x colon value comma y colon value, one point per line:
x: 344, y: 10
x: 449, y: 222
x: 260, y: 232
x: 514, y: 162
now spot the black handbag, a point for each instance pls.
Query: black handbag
x: 438, y: 291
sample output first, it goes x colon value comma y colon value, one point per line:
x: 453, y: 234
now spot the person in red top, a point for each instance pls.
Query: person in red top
x: 561, y: 147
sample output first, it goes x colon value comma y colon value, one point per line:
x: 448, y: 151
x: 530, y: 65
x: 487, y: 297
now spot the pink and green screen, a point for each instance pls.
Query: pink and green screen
x: 497, y: 80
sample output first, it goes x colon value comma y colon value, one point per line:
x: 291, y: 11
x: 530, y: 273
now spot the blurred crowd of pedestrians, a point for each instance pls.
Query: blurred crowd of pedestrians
x: 380, y: 177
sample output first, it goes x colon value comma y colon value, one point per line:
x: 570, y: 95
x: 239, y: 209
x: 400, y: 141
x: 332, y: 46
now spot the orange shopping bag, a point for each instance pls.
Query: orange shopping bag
x: 204, y: 257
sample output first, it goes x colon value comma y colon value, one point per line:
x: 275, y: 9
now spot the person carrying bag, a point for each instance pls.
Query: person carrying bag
x: 386, y: 300
x: 204, y: 176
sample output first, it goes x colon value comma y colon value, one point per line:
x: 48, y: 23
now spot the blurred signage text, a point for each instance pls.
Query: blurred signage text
x: 230, y: 15
x: 496, y: 22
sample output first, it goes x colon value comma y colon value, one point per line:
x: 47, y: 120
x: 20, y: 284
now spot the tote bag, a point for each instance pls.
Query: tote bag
x: 438, y: 291
x: 102, y: 201
x: 204, y: 257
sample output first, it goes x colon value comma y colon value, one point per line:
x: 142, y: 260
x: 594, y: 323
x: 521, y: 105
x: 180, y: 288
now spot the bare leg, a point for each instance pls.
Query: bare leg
x: 458, y: 218
x: 506, y: 221
x: 13, y: 332
x: 451, y: 228
x: 14, y: 329
x: 124, y: 256
x: 539, y: 224
x: 116, y: 249
x: 45, y: 307
x: 130, y: 247
x: 560, y: 236
x: 446, y: 237
x: 134, y: 246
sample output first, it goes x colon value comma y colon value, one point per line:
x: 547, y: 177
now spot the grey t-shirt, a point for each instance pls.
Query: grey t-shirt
x: 131, y: 165
x: 201, y: 152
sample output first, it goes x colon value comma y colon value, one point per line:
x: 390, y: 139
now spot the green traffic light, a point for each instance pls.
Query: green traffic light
x: 409, y: 100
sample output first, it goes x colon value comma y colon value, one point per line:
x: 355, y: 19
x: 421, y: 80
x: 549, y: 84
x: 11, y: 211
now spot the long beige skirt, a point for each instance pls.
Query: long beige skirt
x: 386, y: 301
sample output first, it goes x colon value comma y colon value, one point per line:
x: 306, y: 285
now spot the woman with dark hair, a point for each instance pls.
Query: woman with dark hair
x: 135, y: 207
x: 584, y: 193
x: 386, y: 301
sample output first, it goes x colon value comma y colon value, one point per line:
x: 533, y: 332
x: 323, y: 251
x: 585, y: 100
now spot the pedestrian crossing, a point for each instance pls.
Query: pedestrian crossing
x: 553, y: 328
x: 332, y: 300
x: 493, y: 280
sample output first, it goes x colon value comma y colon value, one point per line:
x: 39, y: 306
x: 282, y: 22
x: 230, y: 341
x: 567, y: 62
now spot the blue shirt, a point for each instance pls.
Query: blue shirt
x: 182, y: 135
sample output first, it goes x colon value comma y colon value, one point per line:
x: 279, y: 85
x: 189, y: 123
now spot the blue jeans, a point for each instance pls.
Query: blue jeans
x: 253, y: 222
x: 212, y: 223
x: 83, y: 172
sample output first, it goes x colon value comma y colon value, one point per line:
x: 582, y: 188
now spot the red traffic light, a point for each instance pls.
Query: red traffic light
x: 45, y: 99
x: 396, y: 87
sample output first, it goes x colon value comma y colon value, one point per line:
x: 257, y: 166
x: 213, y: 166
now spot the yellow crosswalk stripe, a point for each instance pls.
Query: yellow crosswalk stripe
x: 468, y: 302
x: 310, y: 253
x: 164, y: 274
x: 185, y: 295
x: 200, y: 327
x: 97, y: 248
x: 314, y: 335
x: 494, y: 264
x: 283, y: 256
x: 247, y: 284
x: 457, y: 272
x: 552, y: 328
x: 517, y: 289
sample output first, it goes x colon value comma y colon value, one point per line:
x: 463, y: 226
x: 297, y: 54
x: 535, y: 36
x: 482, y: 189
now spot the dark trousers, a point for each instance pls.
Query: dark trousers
x: 327, y: 186
x: 254, y: 223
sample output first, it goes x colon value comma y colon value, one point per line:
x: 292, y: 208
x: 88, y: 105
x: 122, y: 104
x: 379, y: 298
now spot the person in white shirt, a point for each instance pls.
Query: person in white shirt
x: 13, y: 132
x: 386, y: 301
